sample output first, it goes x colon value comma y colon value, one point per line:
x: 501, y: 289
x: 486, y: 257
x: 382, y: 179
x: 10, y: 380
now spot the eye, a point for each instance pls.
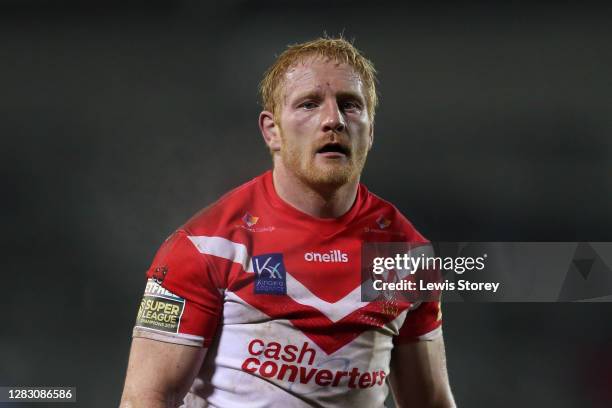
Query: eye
x: 308, y: 105
x: 350, y: 106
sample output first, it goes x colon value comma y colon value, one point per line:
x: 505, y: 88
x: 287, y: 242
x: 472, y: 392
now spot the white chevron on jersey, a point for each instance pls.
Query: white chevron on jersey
x: 237, y: 253
x: 224, y: 248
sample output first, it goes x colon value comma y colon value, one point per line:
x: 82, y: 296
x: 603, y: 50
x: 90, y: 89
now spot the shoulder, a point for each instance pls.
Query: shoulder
x: 228, y: 210
x: 388, y: 217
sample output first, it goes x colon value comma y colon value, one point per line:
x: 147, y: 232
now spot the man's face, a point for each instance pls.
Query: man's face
x: 324, y: 125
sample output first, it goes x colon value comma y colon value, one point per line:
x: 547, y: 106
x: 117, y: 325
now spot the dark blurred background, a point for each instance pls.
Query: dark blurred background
x: 120, y: 119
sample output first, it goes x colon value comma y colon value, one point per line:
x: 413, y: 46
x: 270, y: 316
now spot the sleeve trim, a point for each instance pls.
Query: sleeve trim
x: 432, y: 335
x: 176, y: 338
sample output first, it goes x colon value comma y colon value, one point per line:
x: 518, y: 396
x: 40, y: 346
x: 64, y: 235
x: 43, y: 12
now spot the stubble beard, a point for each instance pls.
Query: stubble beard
x: 322, y: 176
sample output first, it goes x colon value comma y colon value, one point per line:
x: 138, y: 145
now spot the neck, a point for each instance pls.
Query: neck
x: 317, y: 201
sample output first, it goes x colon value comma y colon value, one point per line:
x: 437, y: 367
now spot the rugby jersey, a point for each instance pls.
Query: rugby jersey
x: 274, y: 294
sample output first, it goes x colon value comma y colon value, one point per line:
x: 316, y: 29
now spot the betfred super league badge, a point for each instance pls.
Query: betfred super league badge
x: 270, y: 274
x: 160, y: 309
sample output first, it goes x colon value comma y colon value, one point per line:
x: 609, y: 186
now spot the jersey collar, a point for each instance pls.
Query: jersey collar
x: 325, y: 226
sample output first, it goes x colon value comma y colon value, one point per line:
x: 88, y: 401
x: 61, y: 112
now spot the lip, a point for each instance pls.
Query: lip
x: 332, y: 155
x: 333, y: 151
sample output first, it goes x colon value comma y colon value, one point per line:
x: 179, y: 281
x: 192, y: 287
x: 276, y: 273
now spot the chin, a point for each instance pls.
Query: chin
x: 332, y: 176
x: 320, y: 174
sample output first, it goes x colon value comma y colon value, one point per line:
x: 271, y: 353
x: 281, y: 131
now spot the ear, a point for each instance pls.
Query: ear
x: 269, y: 131
x: 371, y: 136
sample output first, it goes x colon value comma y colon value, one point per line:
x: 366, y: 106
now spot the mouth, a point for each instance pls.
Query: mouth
x: 334, y: 151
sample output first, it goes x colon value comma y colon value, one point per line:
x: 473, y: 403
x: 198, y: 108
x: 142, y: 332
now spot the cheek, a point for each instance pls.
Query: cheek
x: 300, y: 125
x: 361, y: 128
x: 304, y: 121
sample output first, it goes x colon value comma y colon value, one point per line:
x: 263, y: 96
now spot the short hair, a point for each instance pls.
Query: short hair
x: 337, y: 49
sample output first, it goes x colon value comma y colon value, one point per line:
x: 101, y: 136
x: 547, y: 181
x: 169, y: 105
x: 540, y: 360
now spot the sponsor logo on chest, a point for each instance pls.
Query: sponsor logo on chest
x: 296, y: 364
x: 270, y: 274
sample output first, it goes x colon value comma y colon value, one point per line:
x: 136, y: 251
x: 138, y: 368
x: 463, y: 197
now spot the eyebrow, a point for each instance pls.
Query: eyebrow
x: 307, y: 95
x: 351, y: 95
x: 318, y: 95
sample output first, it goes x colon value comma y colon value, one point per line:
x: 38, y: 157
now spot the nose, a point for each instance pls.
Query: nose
x: 333, y: 120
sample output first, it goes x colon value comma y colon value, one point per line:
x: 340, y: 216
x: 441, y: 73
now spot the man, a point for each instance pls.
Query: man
x: 255, y: 301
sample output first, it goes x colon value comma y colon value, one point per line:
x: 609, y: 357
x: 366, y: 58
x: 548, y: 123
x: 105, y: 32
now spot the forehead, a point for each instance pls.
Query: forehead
x: 320, y: 74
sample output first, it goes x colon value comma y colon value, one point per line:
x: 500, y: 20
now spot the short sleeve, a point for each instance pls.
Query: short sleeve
x: 423, y: 322
x: 183, y: 297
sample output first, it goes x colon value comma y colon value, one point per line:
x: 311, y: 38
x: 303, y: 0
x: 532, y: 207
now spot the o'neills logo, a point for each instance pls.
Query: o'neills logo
x: 294, y: 364
x: 335, y: 255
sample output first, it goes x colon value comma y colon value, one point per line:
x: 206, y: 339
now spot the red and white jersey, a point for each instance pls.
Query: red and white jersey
x: 274, y: 294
